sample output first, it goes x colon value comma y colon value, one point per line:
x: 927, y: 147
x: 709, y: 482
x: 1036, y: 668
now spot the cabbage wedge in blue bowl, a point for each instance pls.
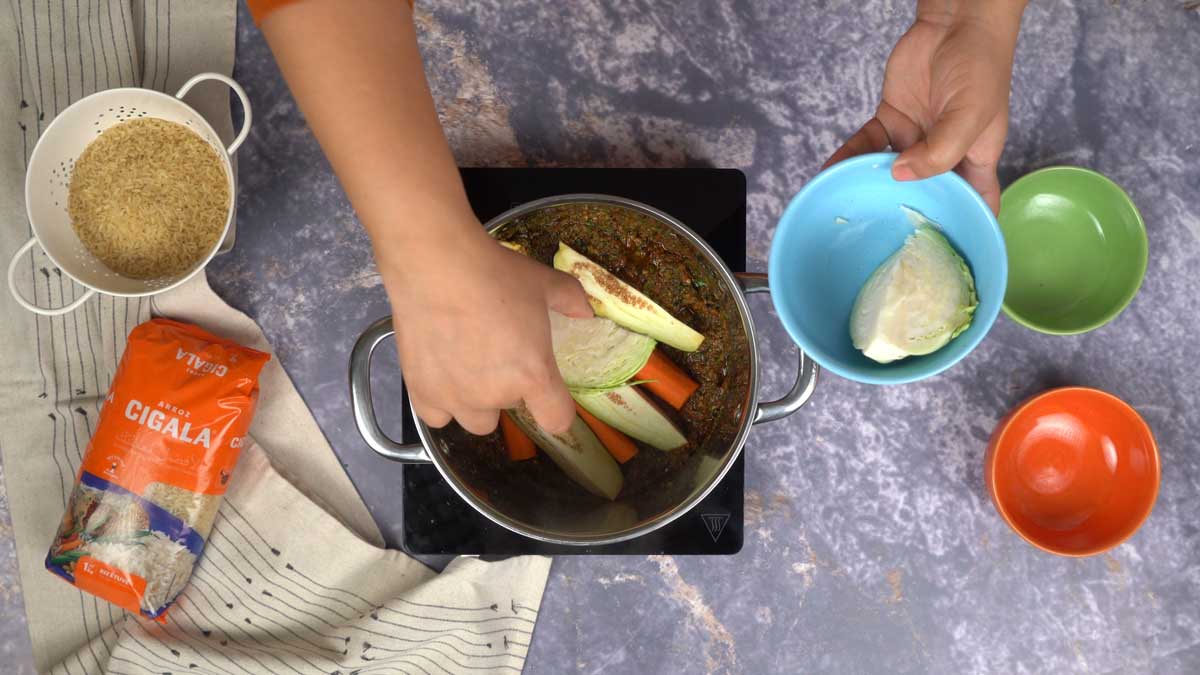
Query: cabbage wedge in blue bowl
x: 887, y: 282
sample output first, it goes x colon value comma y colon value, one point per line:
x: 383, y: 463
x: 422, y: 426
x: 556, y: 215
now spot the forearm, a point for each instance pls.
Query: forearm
x: 355, y: 69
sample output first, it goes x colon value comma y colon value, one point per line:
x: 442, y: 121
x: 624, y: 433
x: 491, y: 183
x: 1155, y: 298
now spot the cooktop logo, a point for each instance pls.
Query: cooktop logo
x: 715, y: 524
x: 199, y: 365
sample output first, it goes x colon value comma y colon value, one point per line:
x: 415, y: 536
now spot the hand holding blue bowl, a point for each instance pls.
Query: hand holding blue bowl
x: 841, y: 226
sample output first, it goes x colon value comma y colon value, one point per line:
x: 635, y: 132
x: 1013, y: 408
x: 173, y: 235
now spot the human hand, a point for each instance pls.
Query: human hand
x: 473, y: 331
x: 945, y: 95
x: 471, y: 318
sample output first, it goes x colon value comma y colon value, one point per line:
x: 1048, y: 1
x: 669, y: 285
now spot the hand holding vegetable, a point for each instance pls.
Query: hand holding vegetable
x: 471, y: 317
x: 473, y: 332
x: 945, y: 94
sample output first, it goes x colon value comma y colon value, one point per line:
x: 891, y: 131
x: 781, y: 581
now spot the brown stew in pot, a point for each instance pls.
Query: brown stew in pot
x: 641, y: 251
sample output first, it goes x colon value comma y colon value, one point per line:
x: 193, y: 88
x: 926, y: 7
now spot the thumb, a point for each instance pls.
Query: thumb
x: 551, y: 405
x: 943, y: 147
x: 565, y: 296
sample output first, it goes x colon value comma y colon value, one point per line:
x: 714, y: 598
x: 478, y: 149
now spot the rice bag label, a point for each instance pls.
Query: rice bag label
x: 181, y: 416
x: 165, y: 446
x: 99, y: 578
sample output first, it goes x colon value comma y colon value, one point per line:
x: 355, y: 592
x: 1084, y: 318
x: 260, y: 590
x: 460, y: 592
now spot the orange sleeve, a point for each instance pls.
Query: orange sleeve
x: 260, y: 9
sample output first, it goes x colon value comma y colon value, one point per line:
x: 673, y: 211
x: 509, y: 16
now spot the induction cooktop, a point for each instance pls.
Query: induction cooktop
x: 712, y: 202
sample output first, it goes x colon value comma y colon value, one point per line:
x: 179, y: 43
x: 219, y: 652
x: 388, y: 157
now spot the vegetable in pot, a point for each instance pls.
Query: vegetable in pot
x: 596, y: 353
x: 918, y: 300
x: 633, y: 413
x: 519, y: 446
x: 618, y: 444
x: 612, y: 298
x: 666, y: 380
x: 577, y: 452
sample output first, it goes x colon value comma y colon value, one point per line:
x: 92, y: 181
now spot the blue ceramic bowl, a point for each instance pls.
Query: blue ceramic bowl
x: 842, y: 225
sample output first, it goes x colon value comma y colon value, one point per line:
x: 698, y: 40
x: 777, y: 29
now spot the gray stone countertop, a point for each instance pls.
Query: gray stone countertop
x: 871, y: 545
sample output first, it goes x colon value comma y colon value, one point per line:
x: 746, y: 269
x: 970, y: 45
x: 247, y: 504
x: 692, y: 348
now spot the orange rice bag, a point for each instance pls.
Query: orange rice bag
x: 165, y: 445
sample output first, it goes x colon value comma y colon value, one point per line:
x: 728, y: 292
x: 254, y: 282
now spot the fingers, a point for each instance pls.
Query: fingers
x: 983, y: 178
x: 554, y: 410
x: 478, y: 422
x: 901, y: 130
x: 872, y: 137
x: 889, y: 127
x: 430, y: 415
x: 550, y: 404
x: 979, y: 166
x: 544, y: 394
x: 943, y: 147
x: 565, y: 296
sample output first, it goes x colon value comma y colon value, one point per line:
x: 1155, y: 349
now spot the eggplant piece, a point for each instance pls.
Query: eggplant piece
x: 577, y: 452
x: 614, y: 299
x: 631, y: 412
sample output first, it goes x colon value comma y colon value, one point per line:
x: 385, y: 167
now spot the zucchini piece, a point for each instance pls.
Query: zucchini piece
x: 512, y: 246
x: 596, y: 353
x: 578, y: 453
x: 631, y: 412
x: 624, y: 304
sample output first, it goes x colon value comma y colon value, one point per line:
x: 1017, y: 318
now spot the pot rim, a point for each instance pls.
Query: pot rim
x: 739, y: 439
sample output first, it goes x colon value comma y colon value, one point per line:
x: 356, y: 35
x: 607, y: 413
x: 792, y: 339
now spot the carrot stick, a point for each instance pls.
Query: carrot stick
x: 618, y: 444
x: 667, y: 380
x: 518, y: 444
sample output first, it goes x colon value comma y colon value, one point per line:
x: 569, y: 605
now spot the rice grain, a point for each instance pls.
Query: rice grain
x: 196, y: 510
x: 149, y: 198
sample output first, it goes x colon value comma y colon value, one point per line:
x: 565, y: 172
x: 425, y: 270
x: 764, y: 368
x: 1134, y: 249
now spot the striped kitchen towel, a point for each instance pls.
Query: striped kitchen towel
x: 292, y: 579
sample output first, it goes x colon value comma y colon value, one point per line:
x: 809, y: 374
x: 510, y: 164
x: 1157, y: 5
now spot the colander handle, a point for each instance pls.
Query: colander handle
x: 237, y: 89
x: 360, y: 398
x: 44, y: 311
x: 806, y: 374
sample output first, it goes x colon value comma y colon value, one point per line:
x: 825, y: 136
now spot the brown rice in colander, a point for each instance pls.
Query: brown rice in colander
x: 149, y: 198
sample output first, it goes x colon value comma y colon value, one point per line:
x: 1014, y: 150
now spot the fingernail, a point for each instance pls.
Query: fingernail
x: 903, y: 172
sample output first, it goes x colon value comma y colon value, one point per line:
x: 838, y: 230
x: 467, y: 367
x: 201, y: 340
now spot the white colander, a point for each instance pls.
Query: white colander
x: 49, y: 176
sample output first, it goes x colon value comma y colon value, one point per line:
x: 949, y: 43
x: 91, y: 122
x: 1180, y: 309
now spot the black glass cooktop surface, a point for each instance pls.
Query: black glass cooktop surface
x: 712, y: 202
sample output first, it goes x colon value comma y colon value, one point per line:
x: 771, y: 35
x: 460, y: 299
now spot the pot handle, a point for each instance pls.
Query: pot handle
x: 237, y: 89
x: 24, y: 302
x: 360, y: 398
x: 806, y: 377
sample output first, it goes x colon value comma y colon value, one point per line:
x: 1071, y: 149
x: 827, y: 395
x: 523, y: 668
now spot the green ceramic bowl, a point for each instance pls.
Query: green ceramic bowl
x: 1076, y: 250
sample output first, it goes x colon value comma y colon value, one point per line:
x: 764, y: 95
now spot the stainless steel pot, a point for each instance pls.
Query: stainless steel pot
x: 566, y: 514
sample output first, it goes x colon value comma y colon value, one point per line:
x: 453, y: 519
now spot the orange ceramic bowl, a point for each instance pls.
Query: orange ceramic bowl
x: 1074, y: 471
